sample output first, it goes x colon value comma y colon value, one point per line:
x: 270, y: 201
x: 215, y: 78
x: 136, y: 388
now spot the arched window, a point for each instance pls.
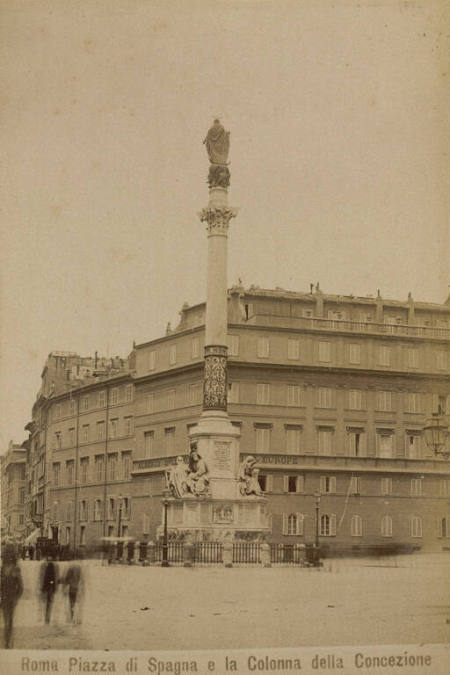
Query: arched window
x: 292, y: 524
x: 328, y: 525
x: 325, y: 525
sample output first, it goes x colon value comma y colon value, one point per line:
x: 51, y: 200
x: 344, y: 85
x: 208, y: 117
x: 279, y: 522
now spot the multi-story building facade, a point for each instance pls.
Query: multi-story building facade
x: 80, y: 448
x: 13, y: 486
x: 330, y: 393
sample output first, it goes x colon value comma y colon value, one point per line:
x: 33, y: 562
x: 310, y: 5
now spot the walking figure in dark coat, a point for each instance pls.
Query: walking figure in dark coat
x: 48, y: 585
x: 73, y: 583
x: 11, y: 588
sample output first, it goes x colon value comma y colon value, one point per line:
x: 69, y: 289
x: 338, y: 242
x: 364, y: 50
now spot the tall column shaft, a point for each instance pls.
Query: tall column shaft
x: 216, y: 299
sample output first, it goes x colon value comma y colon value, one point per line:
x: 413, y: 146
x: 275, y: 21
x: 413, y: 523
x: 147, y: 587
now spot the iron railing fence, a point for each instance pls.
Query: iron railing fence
x: 175, y: 552
x: 246, y: 552
x: 286, y: 554
x: 208, y: 552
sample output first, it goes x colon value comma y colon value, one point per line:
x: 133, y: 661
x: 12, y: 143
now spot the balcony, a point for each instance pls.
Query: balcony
x: 145, y: 465
x: 312, y: 462
x: 346, y: 463
x: 342, y: 326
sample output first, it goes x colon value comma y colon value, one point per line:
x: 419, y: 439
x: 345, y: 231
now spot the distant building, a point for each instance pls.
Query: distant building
x: 82, y: 417
x: 13, y: 486
x: 330, y: 393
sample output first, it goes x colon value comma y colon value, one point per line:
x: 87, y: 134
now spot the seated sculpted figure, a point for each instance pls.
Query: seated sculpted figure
x: 254, y: 487
x: 197, y: 480
x: 176, y: 478
x: 248, y: 477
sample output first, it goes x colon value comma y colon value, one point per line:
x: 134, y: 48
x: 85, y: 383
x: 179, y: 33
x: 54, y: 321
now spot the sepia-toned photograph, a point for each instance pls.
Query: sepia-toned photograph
x: 225, y: 336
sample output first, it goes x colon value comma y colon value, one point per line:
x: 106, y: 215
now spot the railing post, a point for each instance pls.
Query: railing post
x: 150, y: 553
x: 188, y: 553
x: 227, y: 554
x: 265, y: 554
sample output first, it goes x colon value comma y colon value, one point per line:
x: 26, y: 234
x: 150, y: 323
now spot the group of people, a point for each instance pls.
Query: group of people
x: 11, y: 589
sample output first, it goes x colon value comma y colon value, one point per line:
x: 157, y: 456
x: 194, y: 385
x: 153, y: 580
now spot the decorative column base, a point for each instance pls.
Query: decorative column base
x: 215, y: 378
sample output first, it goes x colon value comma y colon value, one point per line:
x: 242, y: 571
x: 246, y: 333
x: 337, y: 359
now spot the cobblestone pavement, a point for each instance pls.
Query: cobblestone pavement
x: 347, y: 602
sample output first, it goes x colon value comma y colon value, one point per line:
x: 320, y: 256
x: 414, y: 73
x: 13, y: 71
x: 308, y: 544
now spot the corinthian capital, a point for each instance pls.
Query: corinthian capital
x: 217, y: 218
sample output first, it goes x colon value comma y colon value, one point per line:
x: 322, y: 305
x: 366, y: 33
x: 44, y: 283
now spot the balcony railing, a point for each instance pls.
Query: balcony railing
x: 315, y: 323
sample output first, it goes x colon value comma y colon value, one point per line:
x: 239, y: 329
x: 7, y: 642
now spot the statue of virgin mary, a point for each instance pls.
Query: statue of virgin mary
x: 217, y: 143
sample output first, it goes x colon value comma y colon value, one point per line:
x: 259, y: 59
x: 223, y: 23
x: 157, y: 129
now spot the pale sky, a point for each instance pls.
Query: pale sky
x: 339, y: 162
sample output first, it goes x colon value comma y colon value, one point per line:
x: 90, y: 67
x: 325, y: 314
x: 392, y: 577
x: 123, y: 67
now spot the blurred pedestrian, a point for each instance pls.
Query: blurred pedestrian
x: 48, y: 582
x: 11, y: 588
x: 73, y: 586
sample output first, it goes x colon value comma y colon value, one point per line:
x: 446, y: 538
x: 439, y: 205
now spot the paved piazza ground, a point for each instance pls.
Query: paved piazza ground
x: 347, y: 602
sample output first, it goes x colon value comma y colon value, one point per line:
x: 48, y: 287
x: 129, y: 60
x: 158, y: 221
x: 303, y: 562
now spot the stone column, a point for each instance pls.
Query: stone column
x: 217, y: 216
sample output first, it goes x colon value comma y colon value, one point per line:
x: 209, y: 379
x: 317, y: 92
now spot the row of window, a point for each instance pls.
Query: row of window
x: 324, y: 353
x: 353, y: 485
x: 387, y: 445
x: 94, y: 471
x: 112, y: 531
x: 326, y: 397
x: 293, y: 524
x: 296, y: 395
x: 115, y: 507
x: 89, y: 432
x: 94, y: 400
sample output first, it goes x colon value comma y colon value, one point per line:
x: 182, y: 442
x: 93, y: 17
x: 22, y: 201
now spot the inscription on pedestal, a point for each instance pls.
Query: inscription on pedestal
x: 222, y: 457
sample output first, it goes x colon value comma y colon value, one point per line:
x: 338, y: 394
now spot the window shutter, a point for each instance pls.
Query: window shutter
x: 322, y: 484
x: 350, y: 443
x: 438, y: 527
x: 87, y: 510
x: 333, y: 484
x: 363, y: 444
x: 399, y: 448
x: 285, y: 525
x: 300, y: 519
x: 447, y: 527
x: 269, y: 483
x: 300, y: 483
x: 333, y: 525
x: 286, y: 483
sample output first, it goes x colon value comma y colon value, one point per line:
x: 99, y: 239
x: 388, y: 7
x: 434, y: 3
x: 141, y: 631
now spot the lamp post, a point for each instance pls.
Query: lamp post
x: 119, y: 522
x: 436, y: 434
x: 165, y: 546
x: 317, y: 497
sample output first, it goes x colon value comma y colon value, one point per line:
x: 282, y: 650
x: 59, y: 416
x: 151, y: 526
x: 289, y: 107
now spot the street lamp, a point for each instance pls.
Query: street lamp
x: 317, y: 496
x: 120, y: 516
x: 119, y: 522
x: 165, y: 546
x: 436, y: 433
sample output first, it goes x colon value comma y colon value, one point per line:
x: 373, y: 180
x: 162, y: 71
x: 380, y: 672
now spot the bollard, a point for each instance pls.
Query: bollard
x: 265, y: 554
